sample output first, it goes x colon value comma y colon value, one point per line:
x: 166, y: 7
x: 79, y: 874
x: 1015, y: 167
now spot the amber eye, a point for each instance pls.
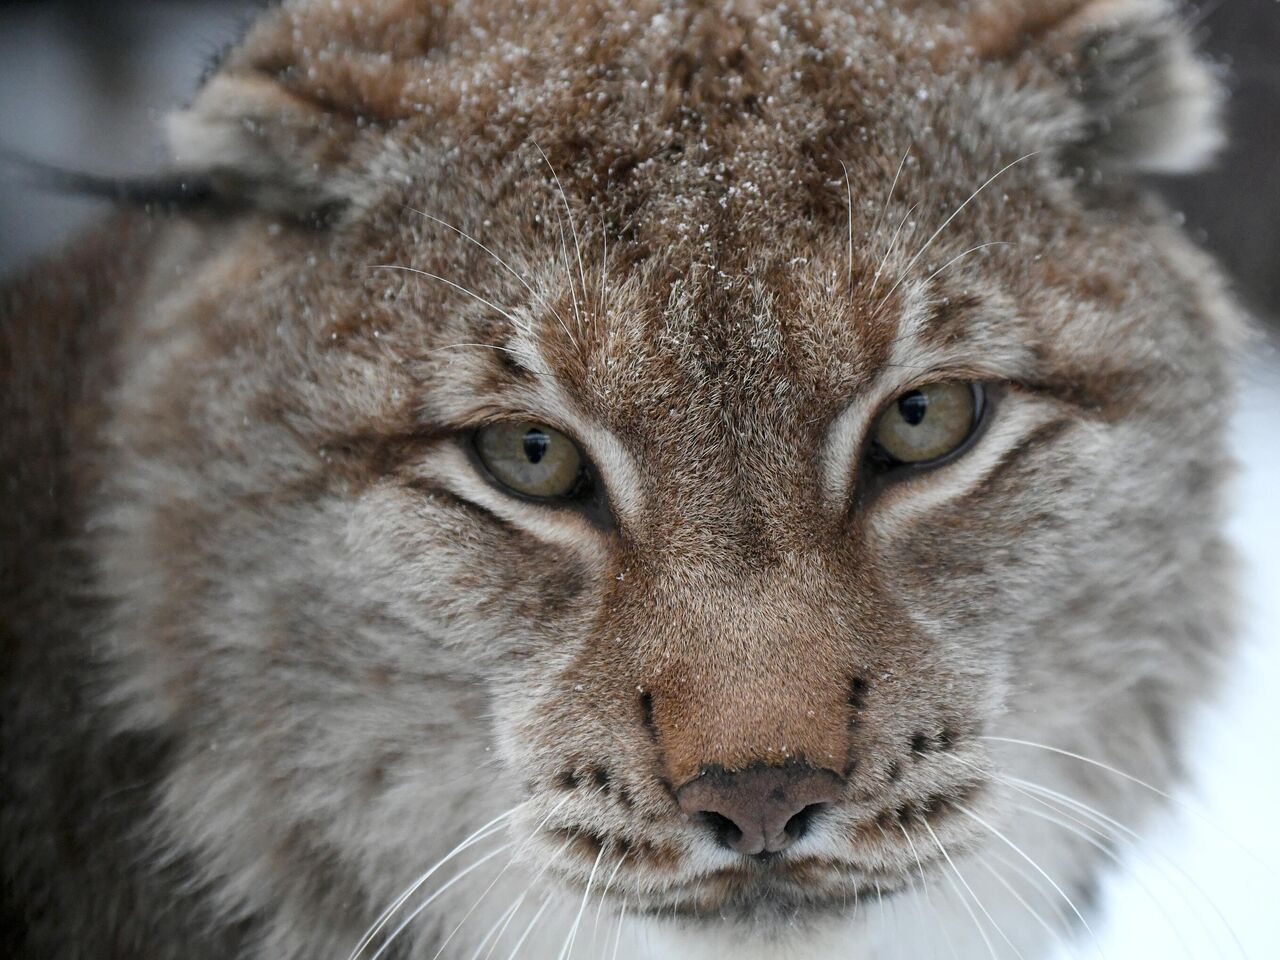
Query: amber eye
x: 928, y: 423
x: 532, y: 460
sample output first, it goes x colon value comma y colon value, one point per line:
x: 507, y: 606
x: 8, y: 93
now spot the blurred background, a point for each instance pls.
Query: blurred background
x: 84, y: 83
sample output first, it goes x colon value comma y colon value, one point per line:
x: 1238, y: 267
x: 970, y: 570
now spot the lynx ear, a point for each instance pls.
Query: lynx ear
x: 260, y: 145
x: 292, y: 116
x: 1150, y: 104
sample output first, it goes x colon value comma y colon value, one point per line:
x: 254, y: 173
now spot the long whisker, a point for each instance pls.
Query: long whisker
x: 893, y: 244
x: 413, y: 915
x: 848, y: 189
x: 1097, y: 815
x: 1111, y: 855
x: 502, y: 922
x: 483, y: 832
x: 528, y: 929
x: 963, y: 902
x: 1035, y: 866
x: 595, y: 926
x: 1136, y: 842
x: 954, y: 260
x: 582, y: 275
x: 1083, y: 759
x: 925, y: 884
x: 503, y: 263
x: 456, y: 286
x: 960, y: 256
x: 568, y: 272
x: 946, y: 223
x: 618, y: 936
x: 577, y: 921
x: 470, y: 239
x: 533, y: 883
x: 888, y: 199
x: 1013, y: 892
x: 1035, y: 883
x: 524, y: 845
x: 1138, y: 782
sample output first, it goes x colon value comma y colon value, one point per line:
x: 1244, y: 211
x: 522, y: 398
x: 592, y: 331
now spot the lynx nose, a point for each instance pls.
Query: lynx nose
x: 760, y: 809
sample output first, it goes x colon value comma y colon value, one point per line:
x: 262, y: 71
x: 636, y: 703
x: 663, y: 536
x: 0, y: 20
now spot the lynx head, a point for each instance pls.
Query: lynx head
x: 706, y: 435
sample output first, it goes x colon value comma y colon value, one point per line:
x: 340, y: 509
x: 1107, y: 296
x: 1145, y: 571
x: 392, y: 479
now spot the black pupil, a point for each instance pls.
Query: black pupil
x: 912, y: 407
x: 535, y: 445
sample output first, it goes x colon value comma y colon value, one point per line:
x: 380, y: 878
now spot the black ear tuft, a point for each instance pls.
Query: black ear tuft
x: 163, y: 192
x: 1151, y: 104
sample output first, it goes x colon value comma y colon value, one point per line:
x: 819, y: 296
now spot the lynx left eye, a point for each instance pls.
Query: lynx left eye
x: 532, y: 460
x: 928, y: 423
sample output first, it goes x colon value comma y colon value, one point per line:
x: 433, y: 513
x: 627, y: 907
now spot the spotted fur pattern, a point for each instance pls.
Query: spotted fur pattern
x: 298, y: 647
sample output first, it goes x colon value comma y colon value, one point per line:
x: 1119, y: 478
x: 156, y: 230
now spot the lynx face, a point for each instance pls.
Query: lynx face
x: 703, y: 440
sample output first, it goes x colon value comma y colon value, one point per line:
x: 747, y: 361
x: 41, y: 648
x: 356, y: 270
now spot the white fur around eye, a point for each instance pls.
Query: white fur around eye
x: 913, y: 496
x: 452, y: 469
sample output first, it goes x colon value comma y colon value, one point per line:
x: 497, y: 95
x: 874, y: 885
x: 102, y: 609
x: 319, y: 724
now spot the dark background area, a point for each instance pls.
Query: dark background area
x: 85, y: 83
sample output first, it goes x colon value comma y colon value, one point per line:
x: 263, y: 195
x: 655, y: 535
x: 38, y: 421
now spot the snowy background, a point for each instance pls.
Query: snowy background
x: 84, y: 83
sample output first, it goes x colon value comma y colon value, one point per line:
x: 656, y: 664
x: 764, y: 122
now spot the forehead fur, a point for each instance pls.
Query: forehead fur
x: 747, y: 210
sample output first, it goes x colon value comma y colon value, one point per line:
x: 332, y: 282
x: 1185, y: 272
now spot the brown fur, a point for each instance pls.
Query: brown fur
x: 327, y: 649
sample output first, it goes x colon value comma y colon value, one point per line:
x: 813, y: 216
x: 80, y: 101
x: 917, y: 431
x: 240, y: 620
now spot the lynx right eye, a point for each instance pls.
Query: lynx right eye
x: 928, y: 424
x: 532, y: 460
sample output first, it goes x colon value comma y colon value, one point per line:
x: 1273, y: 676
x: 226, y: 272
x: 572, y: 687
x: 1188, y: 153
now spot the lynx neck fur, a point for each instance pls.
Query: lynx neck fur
x: 629, y: 480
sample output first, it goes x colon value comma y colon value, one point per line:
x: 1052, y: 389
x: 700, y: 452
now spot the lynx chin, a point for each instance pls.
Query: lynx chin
x: 565, y: 479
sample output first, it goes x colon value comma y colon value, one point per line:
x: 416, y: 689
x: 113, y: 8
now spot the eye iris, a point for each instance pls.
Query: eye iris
x: 928, y: 423
x: 912, y: 407
x: 531, y: 459
x: 535, y: 445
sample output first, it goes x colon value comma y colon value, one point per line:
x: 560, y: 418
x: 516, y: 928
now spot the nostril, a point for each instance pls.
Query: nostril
x: 761, y: 809
x: 799, y: 825
x: 726, y: 831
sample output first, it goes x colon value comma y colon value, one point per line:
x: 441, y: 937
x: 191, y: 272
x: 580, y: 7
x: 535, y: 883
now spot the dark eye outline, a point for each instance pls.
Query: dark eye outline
x: 587, y: 496
x: 878, y: 467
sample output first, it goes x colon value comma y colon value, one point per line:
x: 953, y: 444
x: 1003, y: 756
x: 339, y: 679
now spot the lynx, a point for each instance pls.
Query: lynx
x: 562, y: 479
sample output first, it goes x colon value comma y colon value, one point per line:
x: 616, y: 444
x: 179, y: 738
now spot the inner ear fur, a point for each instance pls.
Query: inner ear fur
x: 1150, y: 103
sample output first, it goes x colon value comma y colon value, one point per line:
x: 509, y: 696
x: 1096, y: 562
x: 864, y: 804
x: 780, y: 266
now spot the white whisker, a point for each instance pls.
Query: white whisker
x: 946, y: 223
x: 483, y: 832
x: 960, y: 256
x: 494, y: 932
x: 528, y: 930
x: 1098, y: 816
x: 1112, y: 856
x: 1013, y: 892
x: 524, y: 845
x: 848, y: 189
x: 925, y: 884
x: 564, y: 197
x: 572, y: 938
x: 526, y: 329
x: 595, y: 927
x: 618, y: 936
x: 456, y: 286
x: 888, y: 198
x: 413, y: 915
x: 1187, y: 808
x: 893, y: 243
x: 960, y: 896
x: 1035, y: 883
x: 1035, y: 866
